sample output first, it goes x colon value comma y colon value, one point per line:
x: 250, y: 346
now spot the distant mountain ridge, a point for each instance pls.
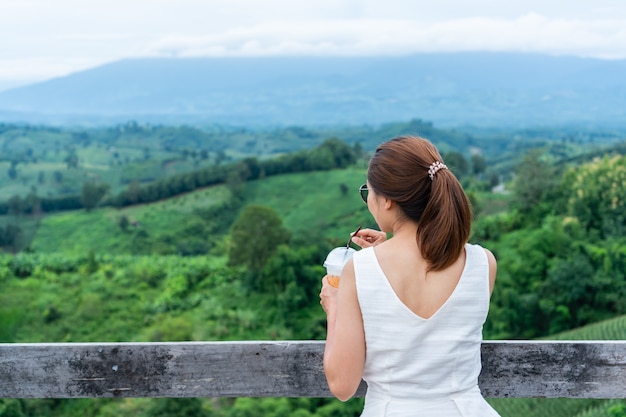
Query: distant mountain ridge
x: 451, y: 89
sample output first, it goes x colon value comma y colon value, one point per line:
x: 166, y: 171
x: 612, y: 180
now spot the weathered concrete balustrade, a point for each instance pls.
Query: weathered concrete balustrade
x: 593, y: 369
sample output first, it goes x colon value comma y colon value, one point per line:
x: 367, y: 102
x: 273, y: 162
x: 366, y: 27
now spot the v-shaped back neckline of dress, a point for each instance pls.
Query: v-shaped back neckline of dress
x: 390, y: 288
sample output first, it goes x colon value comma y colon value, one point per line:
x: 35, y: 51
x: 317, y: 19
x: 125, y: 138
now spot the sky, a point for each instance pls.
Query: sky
x: 43, y: 39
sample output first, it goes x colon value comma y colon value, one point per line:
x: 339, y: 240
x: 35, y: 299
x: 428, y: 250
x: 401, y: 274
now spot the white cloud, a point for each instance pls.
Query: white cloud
x: 529, y: 33
x: 52, y: 38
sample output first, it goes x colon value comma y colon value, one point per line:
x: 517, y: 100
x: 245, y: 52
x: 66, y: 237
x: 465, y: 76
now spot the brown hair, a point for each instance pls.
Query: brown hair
x: 399, y: 171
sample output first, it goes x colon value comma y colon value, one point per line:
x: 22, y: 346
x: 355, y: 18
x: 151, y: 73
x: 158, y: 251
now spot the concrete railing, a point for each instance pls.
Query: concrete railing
x: 594, y: 369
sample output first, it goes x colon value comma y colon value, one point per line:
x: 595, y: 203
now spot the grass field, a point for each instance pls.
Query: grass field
x: 613, y: 329
x: 317, y: 203
x: 98, y: 231
x: 310, y: 204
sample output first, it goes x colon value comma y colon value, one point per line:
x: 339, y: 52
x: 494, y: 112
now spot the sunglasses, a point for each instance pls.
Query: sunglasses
x: 363, y: 191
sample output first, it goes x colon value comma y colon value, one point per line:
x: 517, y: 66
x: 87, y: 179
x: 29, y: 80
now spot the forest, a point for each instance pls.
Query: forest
x: 157, y: 233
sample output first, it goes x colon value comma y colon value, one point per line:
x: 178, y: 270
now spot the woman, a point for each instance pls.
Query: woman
x: 408, y: 314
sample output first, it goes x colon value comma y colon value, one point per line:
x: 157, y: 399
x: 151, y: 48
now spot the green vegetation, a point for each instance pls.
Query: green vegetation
x: 611, y: 329
x: 563, y: 258
x: 52, y: 162
x: 255, y: 237
x: 173, y: 226
x: 319, y: 205
x: 154, y: 257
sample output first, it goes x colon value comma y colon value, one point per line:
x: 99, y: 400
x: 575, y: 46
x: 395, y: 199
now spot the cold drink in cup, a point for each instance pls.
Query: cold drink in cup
x: 334, y: 263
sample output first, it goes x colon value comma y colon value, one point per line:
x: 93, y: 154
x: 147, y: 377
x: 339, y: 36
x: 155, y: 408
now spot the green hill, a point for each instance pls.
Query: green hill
x: 323, y: 204
x: 612, y: 329
x: 150, y: 228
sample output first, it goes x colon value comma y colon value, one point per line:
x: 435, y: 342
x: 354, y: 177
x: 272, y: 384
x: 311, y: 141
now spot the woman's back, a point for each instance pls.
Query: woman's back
x: 422, y: 291
x: 417, y: 362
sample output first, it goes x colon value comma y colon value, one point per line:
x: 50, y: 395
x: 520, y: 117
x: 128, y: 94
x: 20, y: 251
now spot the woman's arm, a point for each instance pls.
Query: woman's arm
x: 344, y: 354
x: 493, y: 269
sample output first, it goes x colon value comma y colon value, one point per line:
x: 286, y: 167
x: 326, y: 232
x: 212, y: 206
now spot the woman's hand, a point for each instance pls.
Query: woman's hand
x: 328, y: 296
x: 368, y: 237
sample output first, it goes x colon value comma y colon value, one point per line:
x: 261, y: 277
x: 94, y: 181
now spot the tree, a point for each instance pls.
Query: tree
x: 595, y: 194
x: 456, y: 162
x: 16, y: 206
x: 359, y: 152
x: 12, y: 237
x: 58, y: 177
x: 133, y: 192
x: 534, y: 181
x: 32, y: 204
x: 237, y: 176
x: 11, y: 408
x: 12, y: 172
x: 294, y: 272
x: 123, y: 222
x: 178, y: 407
x: 256, y: 234
x: 568, y: 292
x: 92, y: 194
x: 220, y: 156
x: 478, y: 164
x: 72, y: 159
x: 341, y: 155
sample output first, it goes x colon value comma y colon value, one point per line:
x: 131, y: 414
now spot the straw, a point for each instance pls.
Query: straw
x: 353, y: 234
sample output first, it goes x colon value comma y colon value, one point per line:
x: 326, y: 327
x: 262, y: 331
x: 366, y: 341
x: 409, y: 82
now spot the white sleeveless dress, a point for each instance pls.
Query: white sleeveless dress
x: 423, y: 367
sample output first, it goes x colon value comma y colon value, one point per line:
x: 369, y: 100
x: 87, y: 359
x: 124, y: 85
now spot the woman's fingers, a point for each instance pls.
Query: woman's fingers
x: 368, y: 237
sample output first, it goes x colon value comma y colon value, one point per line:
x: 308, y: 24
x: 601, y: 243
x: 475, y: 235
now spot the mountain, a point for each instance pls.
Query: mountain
x: 449, y: 89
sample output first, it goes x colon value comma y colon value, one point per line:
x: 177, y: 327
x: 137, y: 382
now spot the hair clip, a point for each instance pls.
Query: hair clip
x: 434, y: 167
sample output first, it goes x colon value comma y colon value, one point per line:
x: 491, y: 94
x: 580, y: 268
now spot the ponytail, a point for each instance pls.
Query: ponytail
x: 445, y: 225
x: 410, y: 171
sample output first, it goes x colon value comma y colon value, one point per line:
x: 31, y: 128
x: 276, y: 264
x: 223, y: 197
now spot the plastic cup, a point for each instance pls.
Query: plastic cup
x: 334, y: 263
